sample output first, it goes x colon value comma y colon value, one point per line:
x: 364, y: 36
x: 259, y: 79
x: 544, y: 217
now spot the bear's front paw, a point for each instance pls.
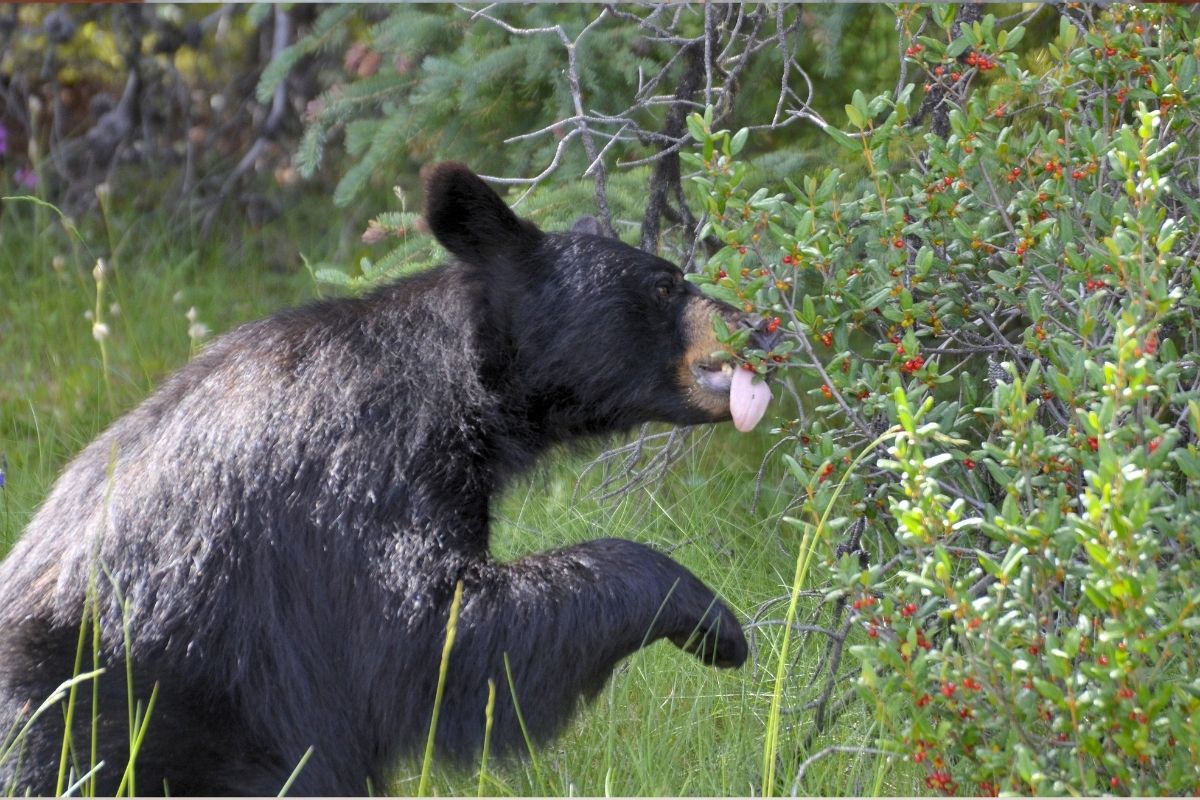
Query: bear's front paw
x: 716, y: 639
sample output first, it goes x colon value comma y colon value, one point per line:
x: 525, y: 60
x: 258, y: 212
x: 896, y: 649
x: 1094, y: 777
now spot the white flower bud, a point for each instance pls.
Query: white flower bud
x: 58, y: 263
x: 99, y: 331
x: 100, y: 271
x: 191, y: 314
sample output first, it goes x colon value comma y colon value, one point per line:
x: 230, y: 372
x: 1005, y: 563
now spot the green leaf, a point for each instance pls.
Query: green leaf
x: 841, y: 138
x: 859, y: 101
x: 738, y: 141
x: 959, y: 46
x: 722, y: 293
x: 857, y: 118
x: 1049, y: 690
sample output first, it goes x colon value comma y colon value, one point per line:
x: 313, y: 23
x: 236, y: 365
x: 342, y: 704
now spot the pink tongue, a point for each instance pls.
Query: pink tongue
x: 747, y: 400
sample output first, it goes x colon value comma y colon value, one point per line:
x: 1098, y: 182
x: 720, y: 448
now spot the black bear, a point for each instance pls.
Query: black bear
x: 270, y: 543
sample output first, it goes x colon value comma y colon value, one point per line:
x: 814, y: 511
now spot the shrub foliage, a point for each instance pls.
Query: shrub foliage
x: 1000, y: 285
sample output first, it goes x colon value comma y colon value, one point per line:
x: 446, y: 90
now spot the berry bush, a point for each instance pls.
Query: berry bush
x: 989, y: 311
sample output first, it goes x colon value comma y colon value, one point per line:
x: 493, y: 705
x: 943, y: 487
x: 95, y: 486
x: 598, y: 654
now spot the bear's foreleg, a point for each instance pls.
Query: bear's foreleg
x: 563, y: 620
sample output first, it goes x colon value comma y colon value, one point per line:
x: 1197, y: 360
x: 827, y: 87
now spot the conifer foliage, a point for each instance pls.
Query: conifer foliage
x: 583, y: 104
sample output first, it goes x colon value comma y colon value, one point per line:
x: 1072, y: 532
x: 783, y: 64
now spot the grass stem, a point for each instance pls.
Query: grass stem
x: 451, y: 629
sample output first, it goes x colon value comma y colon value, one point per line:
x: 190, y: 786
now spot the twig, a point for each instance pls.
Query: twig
x: 828, y: 751
x: 281, y: 35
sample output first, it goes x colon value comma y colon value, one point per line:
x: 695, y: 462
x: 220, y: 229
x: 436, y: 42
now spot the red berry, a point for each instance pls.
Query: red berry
x: 773, y: 325
x: 948, y: 689
x: 969, y: 463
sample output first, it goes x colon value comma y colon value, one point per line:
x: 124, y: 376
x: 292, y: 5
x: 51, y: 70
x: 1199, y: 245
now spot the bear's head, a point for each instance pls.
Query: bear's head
x: 588, y: 333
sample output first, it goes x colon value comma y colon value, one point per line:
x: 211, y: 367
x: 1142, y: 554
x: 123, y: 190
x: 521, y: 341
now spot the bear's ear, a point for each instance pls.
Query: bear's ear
x: 469, y: 219
x: 587, y: 224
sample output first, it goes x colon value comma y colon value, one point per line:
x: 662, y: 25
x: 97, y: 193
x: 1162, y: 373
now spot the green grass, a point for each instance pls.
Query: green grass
x: 53, y: 394
x: 664, y: 725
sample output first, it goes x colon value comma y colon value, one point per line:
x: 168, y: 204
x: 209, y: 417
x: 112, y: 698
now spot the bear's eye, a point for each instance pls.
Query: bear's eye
x: 664, y: 290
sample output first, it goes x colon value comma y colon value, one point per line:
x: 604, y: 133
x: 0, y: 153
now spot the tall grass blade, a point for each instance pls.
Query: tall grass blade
x: 803, y: 559
x: 135, y: 746
x: 88, y: 776
x: 50, y: 702
x: 60, y: 785
x: 451, y: 629
x: 533, y: 760
x: 489, y: 715
x: 287, y: 785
